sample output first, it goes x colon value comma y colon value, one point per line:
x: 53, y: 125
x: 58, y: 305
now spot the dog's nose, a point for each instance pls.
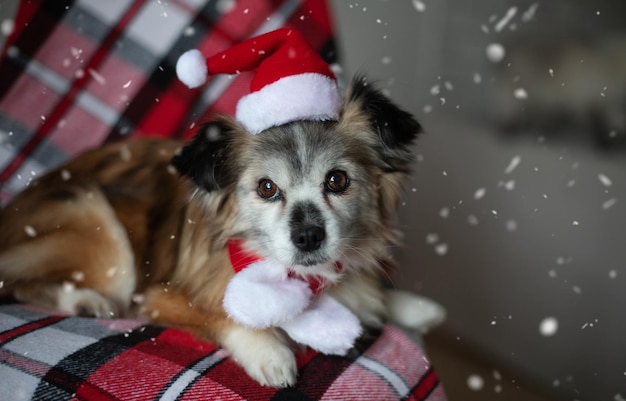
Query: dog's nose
x: 308, y: 238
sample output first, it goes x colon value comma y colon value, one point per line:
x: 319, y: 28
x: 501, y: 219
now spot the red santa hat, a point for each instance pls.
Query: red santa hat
x: 292, y: 81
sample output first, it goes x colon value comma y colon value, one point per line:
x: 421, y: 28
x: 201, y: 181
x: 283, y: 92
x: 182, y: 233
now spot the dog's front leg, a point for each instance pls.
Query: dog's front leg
x: 263, y: 353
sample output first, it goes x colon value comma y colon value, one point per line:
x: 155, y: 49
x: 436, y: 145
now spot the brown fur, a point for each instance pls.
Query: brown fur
x: 119, y: 221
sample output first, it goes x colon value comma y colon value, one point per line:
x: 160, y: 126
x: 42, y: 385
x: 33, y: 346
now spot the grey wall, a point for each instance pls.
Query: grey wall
x: 547, y: 239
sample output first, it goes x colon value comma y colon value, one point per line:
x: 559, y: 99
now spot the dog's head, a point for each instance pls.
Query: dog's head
x: 310, y: 194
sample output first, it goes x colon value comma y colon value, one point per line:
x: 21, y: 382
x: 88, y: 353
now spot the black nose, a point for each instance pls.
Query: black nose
x: 308, y: 238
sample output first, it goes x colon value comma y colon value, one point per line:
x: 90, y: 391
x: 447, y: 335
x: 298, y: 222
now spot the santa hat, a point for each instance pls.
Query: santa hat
x: 292, y: 81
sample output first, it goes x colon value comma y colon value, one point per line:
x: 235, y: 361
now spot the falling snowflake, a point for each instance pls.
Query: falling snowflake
x: 520, y: 93
x: 419, y: 6
x: 495, y: 52
x: 225, y: 6
x: 68, y: 286
x: 475, y: 382
x: 513, y: 164
x: 480, y: 193
x: 609, y: 203
x: 444, y: 213
x: 7, y: 27
x: 441, y: 249
x: 506, y: 19
x: 30, y: 231
x: 78, y: 276
x: 529, y: 14
x: 606, y: 181
x: 472, y: 220
x: 65, y: 175
x: 511, y: 226
x: 548, y: 326
x: 432, y: 238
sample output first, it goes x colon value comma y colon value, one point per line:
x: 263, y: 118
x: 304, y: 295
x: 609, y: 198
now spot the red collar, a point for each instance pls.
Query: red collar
x: 240, y: 259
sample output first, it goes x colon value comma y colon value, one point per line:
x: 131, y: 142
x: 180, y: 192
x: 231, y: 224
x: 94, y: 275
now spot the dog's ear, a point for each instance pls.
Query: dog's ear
x: 206, y: 160
x: 395, y: 128
x: 389, y: 131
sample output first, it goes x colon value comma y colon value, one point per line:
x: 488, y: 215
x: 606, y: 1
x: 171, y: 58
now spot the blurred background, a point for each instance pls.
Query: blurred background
x: 516, y: 218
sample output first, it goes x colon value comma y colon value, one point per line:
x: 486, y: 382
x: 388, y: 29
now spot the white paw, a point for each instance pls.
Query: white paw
x: 274, y: 367
x: 85, y: 302
x: 326, y: 326
x: 263, y: 356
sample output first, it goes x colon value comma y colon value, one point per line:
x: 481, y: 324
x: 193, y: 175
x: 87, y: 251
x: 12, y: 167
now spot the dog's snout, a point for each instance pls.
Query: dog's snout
x: 308, y: 238
x: 307, y: 227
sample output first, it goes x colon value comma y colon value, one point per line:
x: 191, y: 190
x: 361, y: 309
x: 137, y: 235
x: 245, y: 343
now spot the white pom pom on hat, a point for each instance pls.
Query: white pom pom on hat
x: 191, y: 68
x: 292, y: 82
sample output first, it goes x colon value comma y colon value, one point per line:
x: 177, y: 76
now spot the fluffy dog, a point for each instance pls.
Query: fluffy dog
x: 143, y: 225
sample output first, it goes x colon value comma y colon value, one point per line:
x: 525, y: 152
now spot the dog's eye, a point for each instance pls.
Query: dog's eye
x: 337, y: 181
x: 267, y: 188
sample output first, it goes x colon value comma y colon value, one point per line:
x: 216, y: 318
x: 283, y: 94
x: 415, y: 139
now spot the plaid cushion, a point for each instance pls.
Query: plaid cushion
x: 78, y: 73
x: 52, y: 357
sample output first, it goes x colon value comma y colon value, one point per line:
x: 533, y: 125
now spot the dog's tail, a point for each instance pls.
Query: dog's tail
x: 414, y: 311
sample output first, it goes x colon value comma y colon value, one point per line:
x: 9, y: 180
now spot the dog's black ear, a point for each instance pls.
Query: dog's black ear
x: 205, y: 159
x: 396, y: 128
x: 390, y: 131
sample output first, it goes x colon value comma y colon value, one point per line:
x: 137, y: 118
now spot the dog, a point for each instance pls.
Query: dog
x: 140, y: 228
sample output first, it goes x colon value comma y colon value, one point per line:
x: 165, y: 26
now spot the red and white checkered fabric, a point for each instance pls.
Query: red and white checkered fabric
x: 51, y: 357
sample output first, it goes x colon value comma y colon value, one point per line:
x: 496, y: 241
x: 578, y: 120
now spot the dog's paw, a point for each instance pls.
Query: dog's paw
x: 264, y: 357
x: 67, y: 298
x: 274, y: 367
x: 87, y: 303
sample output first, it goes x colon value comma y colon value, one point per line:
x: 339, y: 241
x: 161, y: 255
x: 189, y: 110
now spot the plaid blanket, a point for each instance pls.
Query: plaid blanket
x: 51, y: 357
x: 75, y: 74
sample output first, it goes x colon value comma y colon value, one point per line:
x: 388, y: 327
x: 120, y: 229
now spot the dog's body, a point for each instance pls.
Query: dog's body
x: 118, y: 230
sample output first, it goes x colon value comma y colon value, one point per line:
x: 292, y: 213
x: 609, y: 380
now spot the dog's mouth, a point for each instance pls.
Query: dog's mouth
x: 318, y: 272
x: 311, y: 262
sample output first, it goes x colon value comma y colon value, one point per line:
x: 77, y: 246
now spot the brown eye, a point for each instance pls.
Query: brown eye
x: 337, y: 181
x: 267, y: 188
